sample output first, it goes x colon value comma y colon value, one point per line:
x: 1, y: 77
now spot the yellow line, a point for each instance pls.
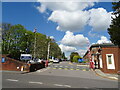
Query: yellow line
x: 60, y: 68
x: 54, y: 68
x: 66, y: 68
x: 71, y: 63
x: 84, y: 70
x: 71, y: 69
x: 77, y: 69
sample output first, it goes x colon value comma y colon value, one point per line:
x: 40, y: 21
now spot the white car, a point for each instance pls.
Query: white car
x: 56, y: 61
x: 51, y: 60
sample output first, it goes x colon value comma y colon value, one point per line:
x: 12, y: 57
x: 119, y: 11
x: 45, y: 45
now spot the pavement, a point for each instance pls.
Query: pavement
x: 19, y: 72
x: 106, y: 75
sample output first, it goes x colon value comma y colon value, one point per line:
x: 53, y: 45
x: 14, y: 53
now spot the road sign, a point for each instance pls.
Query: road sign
x: 80, y: 60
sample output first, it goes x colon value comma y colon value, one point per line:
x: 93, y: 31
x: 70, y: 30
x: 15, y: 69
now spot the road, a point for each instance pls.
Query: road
x: 61, y: 75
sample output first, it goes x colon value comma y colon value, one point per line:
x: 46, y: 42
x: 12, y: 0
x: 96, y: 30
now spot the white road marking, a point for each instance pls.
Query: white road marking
x: 67, y: 85
x: 36, y: 82
x: 62, y: 85
x: 12, y: 80
x: 58, y: 85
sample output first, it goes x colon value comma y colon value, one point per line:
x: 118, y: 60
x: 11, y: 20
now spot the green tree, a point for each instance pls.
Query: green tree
x: 55, y: 50
x: 114, y: 29
x: 17, y: 40
x: 72, y: 55
x: 63, y: 56
x: 14, y: 40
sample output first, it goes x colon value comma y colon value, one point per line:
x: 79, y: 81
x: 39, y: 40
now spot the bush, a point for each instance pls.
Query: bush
x: 75, y: 59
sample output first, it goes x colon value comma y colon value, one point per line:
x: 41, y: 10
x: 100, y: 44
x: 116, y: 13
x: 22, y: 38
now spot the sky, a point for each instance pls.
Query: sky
x: 74, y: 25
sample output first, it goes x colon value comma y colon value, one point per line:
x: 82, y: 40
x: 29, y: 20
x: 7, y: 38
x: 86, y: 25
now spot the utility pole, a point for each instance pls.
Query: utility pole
x: 35, y: 44
x: 48, y: 50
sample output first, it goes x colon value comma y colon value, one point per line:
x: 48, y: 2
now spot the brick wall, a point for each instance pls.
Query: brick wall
x: 119, y: 59
x: 13, y: 65
x: 114, y: 51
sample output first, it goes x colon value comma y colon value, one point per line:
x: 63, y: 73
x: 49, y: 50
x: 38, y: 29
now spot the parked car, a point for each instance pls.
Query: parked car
x: 51, y: 60
x: 56, y: 61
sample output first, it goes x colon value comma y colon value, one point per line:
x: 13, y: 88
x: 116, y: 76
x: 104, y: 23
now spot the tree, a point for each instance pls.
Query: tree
x: 114, y: 29
x: 74, y: 56
x: 17, y: 40
x: 14, y: 40
x: 63, y: 56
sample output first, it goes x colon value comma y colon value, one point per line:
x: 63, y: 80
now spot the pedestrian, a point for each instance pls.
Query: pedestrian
x: 46, y: 64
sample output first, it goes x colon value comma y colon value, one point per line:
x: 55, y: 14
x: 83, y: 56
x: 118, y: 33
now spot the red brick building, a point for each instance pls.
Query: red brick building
x: 105, y: 56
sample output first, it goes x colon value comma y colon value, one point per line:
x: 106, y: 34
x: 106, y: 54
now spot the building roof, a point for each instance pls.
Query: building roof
x: 103, y: 45
x: 85, y: 54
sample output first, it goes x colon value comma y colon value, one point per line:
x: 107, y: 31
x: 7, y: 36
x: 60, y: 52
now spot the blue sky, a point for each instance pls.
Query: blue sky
x: 73, y: 32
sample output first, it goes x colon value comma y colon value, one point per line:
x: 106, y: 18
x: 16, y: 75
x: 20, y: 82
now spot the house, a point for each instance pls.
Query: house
x: 106, y: 57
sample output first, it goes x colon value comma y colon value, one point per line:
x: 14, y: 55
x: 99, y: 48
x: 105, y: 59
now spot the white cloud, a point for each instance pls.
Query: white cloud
x: 67, y: 6
x: 74, y: 40
x: 52, y: 37
x: 42, y: 8
x: 100, y: 19
x: 65, y: 48
x: 93, y: 34
x: 81, y: 52
x: 103, y: 40
x: 70, y: 15
x: 73, y: 22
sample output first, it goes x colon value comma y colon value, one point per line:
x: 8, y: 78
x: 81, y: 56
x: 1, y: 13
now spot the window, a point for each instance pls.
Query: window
x: 109, y: 59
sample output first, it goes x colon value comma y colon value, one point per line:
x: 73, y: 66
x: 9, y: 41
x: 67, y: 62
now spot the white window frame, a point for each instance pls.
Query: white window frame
x: 110, y: 66
x: 100, y: 60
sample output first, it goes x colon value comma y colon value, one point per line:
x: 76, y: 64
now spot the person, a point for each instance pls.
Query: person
x: 46, y: 63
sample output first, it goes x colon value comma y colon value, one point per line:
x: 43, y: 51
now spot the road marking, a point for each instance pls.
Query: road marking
x: 12, y: 80
x: 36, y: 82
x: 54, y: 68
x: 67, y: 85
x: 71, y: 63
x: 60, y: 68
x: 66, y: 68
x: 58, y: 85
x: 77, y: 69
x: 62, y: 85
x: 71, y: 69
x: 84, y: 70
x: 83, y: 65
